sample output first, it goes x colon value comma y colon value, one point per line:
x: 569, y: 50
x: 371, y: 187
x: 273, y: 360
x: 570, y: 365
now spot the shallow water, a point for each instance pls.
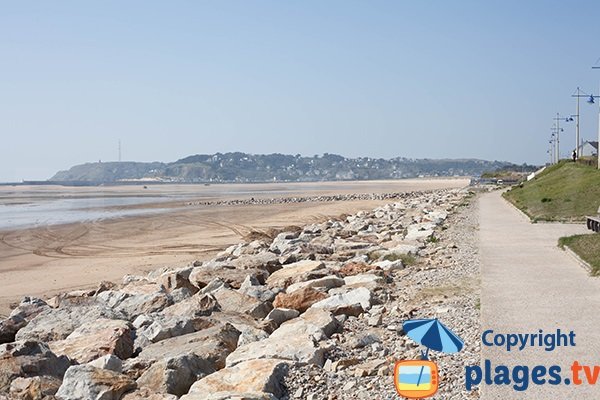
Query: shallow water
x: 63, y: 211
x: 31, y: 206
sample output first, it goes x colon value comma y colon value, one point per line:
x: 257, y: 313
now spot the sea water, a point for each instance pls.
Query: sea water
x: 42, y: 212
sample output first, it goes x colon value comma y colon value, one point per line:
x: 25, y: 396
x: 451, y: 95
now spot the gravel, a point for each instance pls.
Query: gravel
x: 444, y: 284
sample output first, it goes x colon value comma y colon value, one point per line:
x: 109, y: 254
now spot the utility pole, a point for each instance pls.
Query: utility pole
x: 119, y: 150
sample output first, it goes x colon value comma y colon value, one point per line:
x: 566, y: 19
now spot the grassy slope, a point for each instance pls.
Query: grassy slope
x: 563, y: 192
x: 587, y: 247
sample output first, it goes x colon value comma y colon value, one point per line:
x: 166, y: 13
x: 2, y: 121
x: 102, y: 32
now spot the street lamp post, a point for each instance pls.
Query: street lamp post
x: 552, y: 142
x: 558, y: 130
x: 591, y: 101
x: 578, y: 94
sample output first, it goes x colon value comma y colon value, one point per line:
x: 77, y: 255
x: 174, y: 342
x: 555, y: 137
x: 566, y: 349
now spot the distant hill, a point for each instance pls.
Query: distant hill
x: 242, y: 167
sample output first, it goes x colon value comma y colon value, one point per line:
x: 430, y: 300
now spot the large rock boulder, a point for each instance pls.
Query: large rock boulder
x: 33, y: 388
x: 286, y: 242
x: 230, y: 300
x: 159, y: 327
x: 326, y: 282
x: 180, y: 361
x: 202, y: 276
x: 300, y: 299
x: 195, y: 306
x: 351, y: 246
x: 322, y: 244
x: 27, y: 359
x: 419, y: 232
x: 436, y: 216
x: 250, y: 329
x: 361, y: 296
x: 176, y: 374
x: 370, y: 281
x: 96, y: 339
x: 56, y: 324
x: 390, y: 266
x: 355, y: 268
x: 280, y: 315
x: 264, y: 260
x: 214, y: 342
x: 109, y: 362
x: 252, y: 379
x: 294, y: 341
x: 178, y: 279
x: 91, y: 383
x: 136, y: 299
x: 28, y: 309
x: 252, y: 287
x: 400, y: 248
x: 9, y: 328
x: 296, y: 272
x: 316, y: 324
x: 301, y: 349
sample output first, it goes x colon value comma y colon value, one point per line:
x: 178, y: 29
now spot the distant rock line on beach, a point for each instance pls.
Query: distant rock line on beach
x: 304, y: 199
x: 269, y: 318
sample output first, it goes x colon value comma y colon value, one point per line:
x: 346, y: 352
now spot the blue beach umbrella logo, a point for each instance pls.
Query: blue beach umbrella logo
x: 419, y: 378
x: 432, y: 334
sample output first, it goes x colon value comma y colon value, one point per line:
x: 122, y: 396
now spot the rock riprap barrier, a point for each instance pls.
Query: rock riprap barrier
x: 301, y: 199
x: 240, y: 325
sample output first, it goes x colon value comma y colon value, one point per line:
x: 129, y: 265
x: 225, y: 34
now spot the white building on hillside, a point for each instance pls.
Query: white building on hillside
x: 587, y: 149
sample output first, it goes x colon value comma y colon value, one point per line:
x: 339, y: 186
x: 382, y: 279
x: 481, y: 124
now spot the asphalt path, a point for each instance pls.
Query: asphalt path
x: 528, y: 284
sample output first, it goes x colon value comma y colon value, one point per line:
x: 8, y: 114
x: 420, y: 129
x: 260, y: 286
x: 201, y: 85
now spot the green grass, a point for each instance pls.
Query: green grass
x: 502, y: 174
x: 563, y: 192
x: 585, y: 246
x: 392, y: 257
x: 407, y: 259
x: 432, y: 239
x: 467, y: 199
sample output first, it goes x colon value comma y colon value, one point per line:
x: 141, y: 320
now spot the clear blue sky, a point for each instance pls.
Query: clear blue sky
x: 417, y: 79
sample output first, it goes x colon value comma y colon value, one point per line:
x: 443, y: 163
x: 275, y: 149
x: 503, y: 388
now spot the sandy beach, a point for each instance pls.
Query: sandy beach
x: 46, y: 260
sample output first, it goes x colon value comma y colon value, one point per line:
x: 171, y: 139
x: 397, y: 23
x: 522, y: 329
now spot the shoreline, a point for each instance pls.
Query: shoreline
x: 344, y: 286
x: 44, y: 261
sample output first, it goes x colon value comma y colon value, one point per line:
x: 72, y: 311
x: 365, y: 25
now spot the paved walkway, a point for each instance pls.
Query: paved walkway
x: 528, y: 284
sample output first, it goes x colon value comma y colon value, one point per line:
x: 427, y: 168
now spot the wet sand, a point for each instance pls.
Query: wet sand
x: 44, y: 261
